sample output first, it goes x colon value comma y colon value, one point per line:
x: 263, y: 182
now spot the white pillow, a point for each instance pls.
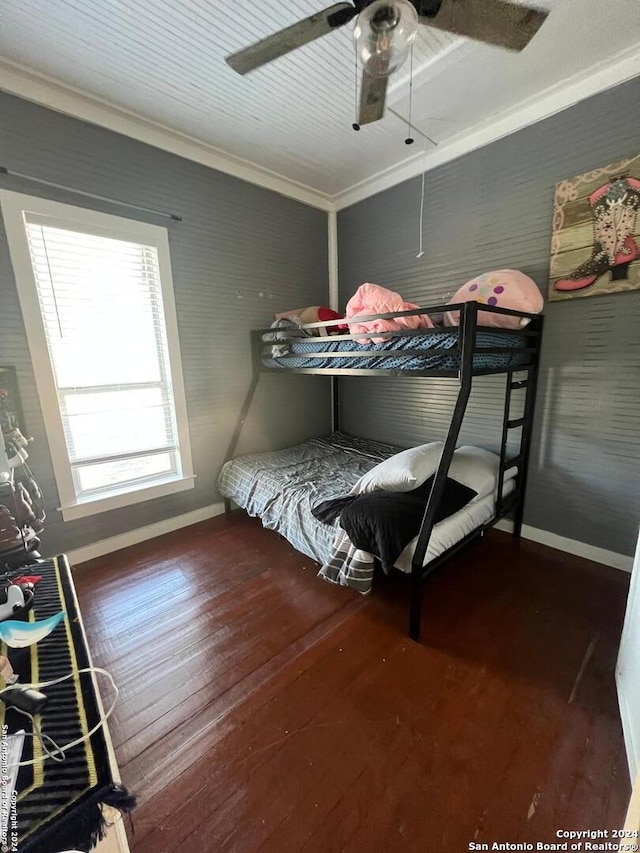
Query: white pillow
x: 478, y: 469
x: 402, y: 472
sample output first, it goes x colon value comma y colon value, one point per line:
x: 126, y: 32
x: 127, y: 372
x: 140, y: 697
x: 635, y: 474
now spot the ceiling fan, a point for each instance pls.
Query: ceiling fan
x: 385, y: 30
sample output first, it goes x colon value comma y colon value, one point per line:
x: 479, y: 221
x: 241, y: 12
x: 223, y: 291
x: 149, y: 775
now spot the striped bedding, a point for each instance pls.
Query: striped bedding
x: 281, y: 486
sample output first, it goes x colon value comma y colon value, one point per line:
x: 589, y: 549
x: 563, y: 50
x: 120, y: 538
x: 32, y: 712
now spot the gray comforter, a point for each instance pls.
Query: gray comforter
x: 280, y: 487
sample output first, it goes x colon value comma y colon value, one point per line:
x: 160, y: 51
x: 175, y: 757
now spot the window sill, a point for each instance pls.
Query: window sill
x: 95, y: 505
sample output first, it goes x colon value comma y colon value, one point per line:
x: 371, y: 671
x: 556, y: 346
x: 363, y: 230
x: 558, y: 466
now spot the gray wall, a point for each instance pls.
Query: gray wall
x: 240, y: 254
x: 492, y: 209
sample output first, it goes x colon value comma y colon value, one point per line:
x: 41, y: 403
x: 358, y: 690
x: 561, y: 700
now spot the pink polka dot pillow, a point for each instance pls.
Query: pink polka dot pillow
x: 505, y: 288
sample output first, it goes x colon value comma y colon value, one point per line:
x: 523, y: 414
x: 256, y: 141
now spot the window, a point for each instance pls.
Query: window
x: 97, y: 300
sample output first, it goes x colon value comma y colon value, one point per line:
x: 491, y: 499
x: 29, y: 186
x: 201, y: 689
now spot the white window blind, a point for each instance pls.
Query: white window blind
x: 96, y: 294
x: 101, y: 305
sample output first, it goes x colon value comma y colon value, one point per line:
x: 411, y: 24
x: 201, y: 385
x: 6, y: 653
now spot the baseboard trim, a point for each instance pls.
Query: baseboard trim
x: 141, y: 534
x: 571, y: 546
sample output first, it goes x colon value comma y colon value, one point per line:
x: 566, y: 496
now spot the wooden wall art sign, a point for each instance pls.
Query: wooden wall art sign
x: 595, y: 245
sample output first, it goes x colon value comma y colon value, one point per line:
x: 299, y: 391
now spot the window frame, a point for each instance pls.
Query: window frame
x: 14, y: 207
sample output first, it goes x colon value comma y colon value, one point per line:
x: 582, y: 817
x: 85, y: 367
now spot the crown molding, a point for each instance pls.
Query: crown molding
x: 552, y: 100
x: 25, y: 83
x: 32, y: 86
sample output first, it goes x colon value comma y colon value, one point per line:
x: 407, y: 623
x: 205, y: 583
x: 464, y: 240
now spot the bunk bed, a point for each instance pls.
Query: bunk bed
x: 462, y: 353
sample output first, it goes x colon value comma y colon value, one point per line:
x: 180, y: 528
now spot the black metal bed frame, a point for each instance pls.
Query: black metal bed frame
x: 263, y: 339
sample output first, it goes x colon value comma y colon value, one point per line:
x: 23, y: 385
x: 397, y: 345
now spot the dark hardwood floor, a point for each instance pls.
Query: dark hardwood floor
x: 262, y: 709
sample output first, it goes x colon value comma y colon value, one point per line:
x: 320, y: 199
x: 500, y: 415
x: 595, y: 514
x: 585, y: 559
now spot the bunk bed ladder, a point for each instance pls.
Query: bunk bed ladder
x: 525, y: 443
x: 515, y: 500
x: 504, y: 504
x: 467, y: 337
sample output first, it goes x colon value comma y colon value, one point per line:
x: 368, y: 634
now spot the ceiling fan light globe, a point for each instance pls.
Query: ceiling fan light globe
x: 384, y: 32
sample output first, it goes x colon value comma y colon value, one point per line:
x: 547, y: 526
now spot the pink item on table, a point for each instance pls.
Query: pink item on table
x: 34, y: 579
x: 6, y: 670
x: 373, y: 299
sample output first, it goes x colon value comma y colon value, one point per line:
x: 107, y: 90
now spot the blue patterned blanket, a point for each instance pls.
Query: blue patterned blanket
x: 299, y: 351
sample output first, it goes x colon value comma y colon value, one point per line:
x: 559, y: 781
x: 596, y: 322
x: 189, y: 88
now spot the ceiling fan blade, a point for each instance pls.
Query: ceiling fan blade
x: 289, y: 39
x: 373, y: 94
x: 494, y: 21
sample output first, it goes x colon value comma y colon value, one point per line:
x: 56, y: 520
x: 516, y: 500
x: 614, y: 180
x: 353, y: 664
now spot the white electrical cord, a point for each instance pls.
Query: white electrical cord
x: 61, y: 750
x: 57, y: 754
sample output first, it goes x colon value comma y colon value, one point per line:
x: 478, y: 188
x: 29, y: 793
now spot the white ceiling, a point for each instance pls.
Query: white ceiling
x: 163, y: 61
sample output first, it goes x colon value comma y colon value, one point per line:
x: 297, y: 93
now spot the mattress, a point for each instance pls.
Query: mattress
x: 281, y: 486
x: 453, y: 529
x: 298, y: 356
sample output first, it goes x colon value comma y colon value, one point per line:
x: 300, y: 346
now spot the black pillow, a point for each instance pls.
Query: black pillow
x: 454, y: 497
x: 383, y: 523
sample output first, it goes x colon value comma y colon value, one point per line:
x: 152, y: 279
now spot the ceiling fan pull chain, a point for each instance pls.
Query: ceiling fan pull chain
x: 409, y: 140
x: 355, y: 125
x: 421, y: 219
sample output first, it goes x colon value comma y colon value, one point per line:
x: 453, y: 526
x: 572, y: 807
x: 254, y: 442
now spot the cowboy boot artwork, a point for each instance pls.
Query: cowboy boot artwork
x: 615, y: 208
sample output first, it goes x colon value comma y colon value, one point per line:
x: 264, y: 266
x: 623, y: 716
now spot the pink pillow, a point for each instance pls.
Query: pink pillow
x: 504, y: 288
x: 372, y: 299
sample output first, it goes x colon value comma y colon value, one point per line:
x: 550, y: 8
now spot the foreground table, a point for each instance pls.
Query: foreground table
x: 60, y: 805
